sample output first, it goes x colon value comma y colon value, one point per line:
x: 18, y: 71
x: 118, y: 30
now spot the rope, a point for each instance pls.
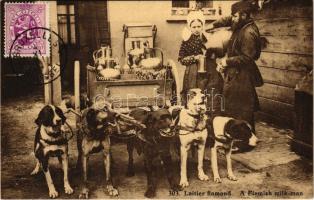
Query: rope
x: 123, y: 137
x: 72, y: 133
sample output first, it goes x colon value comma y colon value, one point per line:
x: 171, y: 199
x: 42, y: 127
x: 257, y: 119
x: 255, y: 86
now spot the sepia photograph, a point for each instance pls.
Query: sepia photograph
x: 167, y: 99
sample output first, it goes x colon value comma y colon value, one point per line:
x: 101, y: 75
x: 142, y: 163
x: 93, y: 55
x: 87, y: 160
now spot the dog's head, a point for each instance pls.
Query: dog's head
x: 158, y: 122
x: 52, y: 118
x: 100, y: 120
x: 69, y: 102
x: 241, y: 130
x: 196, y: 101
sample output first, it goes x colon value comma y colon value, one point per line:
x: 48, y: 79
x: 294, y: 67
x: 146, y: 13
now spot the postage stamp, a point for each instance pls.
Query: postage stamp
x: 20, y: 17
x: 36, y: 71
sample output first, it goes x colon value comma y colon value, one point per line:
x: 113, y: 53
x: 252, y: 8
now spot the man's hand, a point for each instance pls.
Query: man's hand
x: 221, y: 61
x: 220, y: 68
x: 209, y: 27
x: 221, y: 64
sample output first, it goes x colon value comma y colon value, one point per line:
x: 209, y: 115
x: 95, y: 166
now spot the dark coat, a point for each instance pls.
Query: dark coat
x: 242, y: 74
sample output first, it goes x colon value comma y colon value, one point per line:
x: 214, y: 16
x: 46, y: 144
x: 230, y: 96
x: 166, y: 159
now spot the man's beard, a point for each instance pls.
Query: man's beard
x: 239, y: 24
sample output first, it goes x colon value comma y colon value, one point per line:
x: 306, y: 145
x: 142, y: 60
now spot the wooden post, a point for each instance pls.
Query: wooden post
x: 77, y: 88
x: 55, y: 57
x: 45, y: 72
x: 175, y: 73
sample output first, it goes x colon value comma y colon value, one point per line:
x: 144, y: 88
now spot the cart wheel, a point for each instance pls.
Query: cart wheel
x: 176, y: 84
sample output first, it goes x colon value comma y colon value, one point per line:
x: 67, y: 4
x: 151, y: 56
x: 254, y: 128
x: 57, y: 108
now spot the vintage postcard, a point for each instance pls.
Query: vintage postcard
x: 174, y: 99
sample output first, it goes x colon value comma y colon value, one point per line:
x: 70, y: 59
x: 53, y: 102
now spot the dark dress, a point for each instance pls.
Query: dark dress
x: 193, y: 79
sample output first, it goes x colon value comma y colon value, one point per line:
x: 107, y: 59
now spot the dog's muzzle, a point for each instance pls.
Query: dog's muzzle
x: 253, y: 140
x: 167, y: 132
x: 56, y: 132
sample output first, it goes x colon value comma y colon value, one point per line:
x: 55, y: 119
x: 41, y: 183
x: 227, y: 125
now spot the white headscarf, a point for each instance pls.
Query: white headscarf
x: 193, y: 15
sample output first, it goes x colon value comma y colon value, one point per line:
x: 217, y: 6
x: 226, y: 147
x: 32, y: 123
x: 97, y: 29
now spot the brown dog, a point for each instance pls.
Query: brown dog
x: 97, y: 126
x: 155, y: 141
x: 94, y: 136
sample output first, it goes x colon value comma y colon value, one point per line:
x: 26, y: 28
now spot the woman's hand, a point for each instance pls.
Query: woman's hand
x: 197, y: 57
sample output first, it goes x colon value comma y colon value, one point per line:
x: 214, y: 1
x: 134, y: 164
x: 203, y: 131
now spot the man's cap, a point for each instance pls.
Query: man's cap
x: 247, y: 6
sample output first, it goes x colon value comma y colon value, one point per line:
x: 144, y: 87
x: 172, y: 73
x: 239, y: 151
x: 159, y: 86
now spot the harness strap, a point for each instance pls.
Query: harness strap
x: 198, y: 120
x: 190, y: 129
x: 57, y: 142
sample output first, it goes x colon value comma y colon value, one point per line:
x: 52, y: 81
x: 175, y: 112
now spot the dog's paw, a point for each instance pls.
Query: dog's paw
x: 232, y: 177
x: 35, y: 171
x: 176, y: 187
x: 68, y: 189
x: 217, y: 179
x: 53, y: 193
x: 203, y: 177
x: 150, y: 193
x: 84, y: 193
x: 112, y: 191
x: 184, y: 183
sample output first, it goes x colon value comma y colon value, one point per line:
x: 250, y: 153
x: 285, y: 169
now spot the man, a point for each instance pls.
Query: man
x: 241, y: 73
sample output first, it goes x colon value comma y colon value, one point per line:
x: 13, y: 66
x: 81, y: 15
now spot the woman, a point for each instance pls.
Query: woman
x: 191, y: 49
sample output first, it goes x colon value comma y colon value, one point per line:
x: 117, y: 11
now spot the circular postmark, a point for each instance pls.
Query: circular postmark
x: 38, y: 42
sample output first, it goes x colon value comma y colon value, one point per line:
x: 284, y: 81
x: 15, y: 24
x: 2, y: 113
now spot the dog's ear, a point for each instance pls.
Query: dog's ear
x: 45, y: 116
x: 231, y: 129
x: 149, y: 118
x: 60, y: 113
x: 175, y: 113
x: 91, y: 117
x: 68, y: 101
x: 140, y: 115
x: 191, y: 94
x: 160, y: 114
x: 238, y: 129
x: 245, y: 129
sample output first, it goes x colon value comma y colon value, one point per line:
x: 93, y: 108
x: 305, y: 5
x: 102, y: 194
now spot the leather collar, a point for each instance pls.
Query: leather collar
x: 62, y: 141
x: 196, y: 116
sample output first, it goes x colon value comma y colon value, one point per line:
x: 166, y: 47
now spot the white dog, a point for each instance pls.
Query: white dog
x: 193, y: 130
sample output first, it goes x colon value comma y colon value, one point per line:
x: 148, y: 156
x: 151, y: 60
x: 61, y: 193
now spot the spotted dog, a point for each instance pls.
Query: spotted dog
x: 51, y: 141
x: 193, y: 131
x: 225, y: 130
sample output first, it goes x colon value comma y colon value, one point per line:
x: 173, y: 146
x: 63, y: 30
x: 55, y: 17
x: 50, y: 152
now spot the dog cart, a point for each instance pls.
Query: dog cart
x: 145, y: 79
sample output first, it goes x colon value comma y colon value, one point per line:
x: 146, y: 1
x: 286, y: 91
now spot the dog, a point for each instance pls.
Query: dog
x: 225, y: 131
x: 50, y: 141
x: 192, y: 125
x: 155, y: 141
x: 97, y: 127
x: 94, y: 136
x: 68, y: 103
